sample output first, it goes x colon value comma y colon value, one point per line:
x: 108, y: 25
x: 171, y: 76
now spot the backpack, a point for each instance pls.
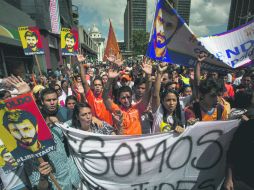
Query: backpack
x: 198, y: 115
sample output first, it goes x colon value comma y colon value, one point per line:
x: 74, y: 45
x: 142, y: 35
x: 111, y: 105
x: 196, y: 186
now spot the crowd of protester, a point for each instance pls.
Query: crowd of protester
x: 144, y: 97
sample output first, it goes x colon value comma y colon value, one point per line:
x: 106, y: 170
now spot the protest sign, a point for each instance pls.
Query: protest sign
x: 69, y: 41
x: 173, y: 41
x: 193, y: 160
x: 31, y: 40
x: 24, y: 133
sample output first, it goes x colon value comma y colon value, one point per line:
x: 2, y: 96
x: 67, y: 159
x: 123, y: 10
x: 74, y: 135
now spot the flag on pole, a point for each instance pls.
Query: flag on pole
x: 173, y: 41
x: 112, y: 45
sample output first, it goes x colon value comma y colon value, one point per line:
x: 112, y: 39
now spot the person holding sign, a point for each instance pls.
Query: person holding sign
x: 65, y: 172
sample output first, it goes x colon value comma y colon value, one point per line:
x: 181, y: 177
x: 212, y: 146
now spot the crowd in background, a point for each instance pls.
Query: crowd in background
x: 134, y: 98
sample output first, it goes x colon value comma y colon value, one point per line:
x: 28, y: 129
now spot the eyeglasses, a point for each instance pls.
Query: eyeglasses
x: 124, y: 97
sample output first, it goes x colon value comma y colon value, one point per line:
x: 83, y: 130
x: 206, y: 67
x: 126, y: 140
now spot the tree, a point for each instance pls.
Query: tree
x: 140, y: 41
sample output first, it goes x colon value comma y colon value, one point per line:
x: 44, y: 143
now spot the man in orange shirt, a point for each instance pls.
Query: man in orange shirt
x: 206, y: 106
x: 131, y: 124
x: 94, y: 98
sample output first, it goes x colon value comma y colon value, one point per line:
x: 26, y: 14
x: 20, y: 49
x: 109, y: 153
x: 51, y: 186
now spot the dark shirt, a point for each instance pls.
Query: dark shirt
x: 241, y: 153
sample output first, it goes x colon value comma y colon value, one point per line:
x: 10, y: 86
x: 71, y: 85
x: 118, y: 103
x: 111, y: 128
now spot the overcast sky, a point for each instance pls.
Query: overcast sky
x: 207, y: 16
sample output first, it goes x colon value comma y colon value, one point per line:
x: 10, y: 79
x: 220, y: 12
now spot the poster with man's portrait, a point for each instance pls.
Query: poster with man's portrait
x: 31, y: 40
x: 69, y: 41
x: 24, y: 133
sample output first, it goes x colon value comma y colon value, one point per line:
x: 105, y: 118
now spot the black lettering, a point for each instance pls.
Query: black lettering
x: 141, y: 150
x: 220, y: 148
x: 92, y: 154
x: 188, y: 138
x: 132, y: 160
x: 139, y: 186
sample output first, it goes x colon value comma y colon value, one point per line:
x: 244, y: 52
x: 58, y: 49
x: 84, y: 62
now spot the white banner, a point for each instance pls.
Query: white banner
x: 235, y: 47
x: 173, y: 41
x: 194, y: 160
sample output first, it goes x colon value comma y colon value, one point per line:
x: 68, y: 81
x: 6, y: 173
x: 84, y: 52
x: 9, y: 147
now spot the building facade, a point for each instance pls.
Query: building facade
x: 183, y: 9
x: 12, y: 57
x: 135, y: 18
x: 95, y: 34
x: 241, y: 12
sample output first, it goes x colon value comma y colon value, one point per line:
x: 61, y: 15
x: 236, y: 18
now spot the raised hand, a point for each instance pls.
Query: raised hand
x: 80, y: 88
x: 202, y: 56
x: 111, y: 58
x: 162, y: 67
x: 147, y: 67
x: 19, y: 84
x: 119, y: 61
x: 81, y: 58
x: 113, y: 73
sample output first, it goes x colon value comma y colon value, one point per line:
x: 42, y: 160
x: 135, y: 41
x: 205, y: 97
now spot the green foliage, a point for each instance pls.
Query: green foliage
x: 140, y: 42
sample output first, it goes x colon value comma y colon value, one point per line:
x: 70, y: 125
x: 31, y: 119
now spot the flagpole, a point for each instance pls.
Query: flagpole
x: 52, y: 177
x: 38, y: 65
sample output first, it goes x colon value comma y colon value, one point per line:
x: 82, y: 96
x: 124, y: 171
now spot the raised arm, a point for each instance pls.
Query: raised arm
x: 81, y: 60
x: 147, y: 68
x: 157, y: 86
x: 201, y: 57
x: 105, y: 95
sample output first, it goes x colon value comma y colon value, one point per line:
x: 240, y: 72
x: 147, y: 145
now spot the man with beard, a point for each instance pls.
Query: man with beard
x: 70, y: 42
x: 32, y: 42
x: 165, y: 26
x: 23, y: 127
x: 10, y: 162
x: 65, y: 170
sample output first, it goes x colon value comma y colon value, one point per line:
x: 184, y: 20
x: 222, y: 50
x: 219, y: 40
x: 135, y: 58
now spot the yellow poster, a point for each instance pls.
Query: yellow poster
x: 69, y: 41
x: 31, y: 40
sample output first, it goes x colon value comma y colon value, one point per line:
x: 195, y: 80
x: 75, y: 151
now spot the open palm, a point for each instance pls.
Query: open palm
x: 163, y: 67
x: 111, y: 58
x: 81, y: 58
x: 113, y: 73
x: 19, y: 84
x: 147, y: 68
